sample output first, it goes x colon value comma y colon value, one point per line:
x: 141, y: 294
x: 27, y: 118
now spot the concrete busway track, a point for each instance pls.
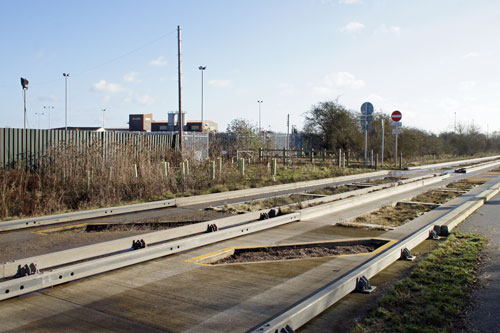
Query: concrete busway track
x: 173, y: 295
x: 351, y: 199
x: 407, y: 236
x: 188, y: 201
x: 97, y: 250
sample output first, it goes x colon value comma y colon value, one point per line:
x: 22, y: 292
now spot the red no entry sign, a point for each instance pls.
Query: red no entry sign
x: 396, y: 116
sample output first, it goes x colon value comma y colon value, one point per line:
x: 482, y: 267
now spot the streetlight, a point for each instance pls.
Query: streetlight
x: 48, y: 107
x: 103, y: 110
x: 39, y: 114
x: 260, y: 102
x: 66, y: 75
x: 202, y: 69
x: 24, y: 84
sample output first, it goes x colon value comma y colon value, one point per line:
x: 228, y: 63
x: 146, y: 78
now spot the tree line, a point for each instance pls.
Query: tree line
x: 329, y: 125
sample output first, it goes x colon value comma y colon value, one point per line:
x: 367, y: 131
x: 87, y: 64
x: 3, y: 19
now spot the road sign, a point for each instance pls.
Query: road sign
x: 367, y: 108
x: 396, y: 116
x: 396, y: 124
x: 396, y: 131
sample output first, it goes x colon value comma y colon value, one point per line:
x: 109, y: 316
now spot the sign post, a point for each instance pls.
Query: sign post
x: 396, y: 123
x: 366, y: 116
x: 382, y: 156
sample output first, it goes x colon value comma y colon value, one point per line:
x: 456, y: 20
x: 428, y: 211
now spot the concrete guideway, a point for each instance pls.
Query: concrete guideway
x: 20, y: 286
x: 319, y: 301
x: 197, y: 298
x: 446, y: 164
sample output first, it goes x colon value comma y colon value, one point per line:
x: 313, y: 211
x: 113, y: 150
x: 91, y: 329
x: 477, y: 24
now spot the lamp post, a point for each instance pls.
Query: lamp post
x: 66, y: 75
x: 103, y: 110
x: 202, y: 69
x: 39, y: 114
x: 24, y: 84
x: 48, y: 108
x: 260, y: 102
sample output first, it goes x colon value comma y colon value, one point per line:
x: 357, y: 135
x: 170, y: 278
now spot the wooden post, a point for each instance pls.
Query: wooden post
x: 241, y: 166
x: 376, y: 161
x: 343, y: 160
x: 274, y: 167
x: 136, y: 171
x: 220, y: 166
x: 284, y: 156
x: 166, y: 166
x: 212, y: 170
x: 312, y: 155
x: 371, y: 158
x: 339, y: 157
x: 347, y: 157
x: 260, y: 154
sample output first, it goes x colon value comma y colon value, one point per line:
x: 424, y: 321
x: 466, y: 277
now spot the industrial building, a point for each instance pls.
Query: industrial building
x: 144, y: 123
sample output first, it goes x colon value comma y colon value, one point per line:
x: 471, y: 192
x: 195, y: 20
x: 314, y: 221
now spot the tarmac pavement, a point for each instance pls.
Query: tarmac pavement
x: 483, y: 316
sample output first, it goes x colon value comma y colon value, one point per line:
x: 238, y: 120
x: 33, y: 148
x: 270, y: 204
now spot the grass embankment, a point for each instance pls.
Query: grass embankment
x: 431, y: 298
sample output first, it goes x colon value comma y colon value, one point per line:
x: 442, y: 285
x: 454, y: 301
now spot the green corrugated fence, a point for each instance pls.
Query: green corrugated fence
x: 29, y: 147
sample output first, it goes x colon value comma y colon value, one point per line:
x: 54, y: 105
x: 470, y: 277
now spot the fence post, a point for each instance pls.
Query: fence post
x: 339, y: 154
x: 371, y: 158
x: 166, y: 165
x: 400, y: 161
x: 136, y: 171
x: 376, y: 161
x: 312, y: 155
x: 273, y: 170
x: 241, y: 165
x: 220, y: 166
x: 260, y: 154
x: 343, y: 160
x: 187, y: 167
x: 348, y: 156
x: 212, y: 170
x: 284, y: 156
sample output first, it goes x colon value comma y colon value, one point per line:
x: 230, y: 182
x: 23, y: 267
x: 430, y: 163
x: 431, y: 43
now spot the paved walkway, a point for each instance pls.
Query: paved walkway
x: 486, y: 308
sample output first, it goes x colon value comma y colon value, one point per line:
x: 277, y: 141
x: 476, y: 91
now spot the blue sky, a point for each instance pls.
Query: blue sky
x: 429, y: 59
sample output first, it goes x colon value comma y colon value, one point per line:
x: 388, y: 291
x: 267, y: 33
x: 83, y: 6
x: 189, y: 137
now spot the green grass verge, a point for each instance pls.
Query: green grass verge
x: 435, y: 292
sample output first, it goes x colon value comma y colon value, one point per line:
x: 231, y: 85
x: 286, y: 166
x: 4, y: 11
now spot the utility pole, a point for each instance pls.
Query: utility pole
x: 287, y: 131
x: 202, y: 69
x: 382, y: 159
x: 180, y: 85
x: 260, y: 102
x: 66, y: 75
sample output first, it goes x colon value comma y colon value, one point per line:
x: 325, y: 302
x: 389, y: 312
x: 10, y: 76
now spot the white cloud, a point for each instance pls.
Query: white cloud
x: 139, y: 99
x: 466, y: 85
x: 449, y: 104
x: 333, y: 82
x: 374, y: 98
x: 160, y: 61
x: 353, y: 27
x: 219, y: 83
x: 104, y: 86
x: 471, y: 55
x: 384, y: 29
x: 286, y: 88
x: 131, y: 77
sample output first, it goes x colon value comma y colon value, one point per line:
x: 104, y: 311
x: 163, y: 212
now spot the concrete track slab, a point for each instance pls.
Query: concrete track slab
x: 174, y: 295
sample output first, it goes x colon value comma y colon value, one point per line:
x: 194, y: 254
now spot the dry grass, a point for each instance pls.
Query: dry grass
x: 71, y: 179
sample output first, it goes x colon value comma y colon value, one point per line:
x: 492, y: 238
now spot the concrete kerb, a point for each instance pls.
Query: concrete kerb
x: 75, y: 216
x: 30, y: 283
x: 325, y: 297
x: 444, y: 164
x: 105, y: 248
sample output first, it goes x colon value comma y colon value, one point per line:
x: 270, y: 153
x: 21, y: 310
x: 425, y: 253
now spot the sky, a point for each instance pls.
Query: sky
x: 433, y: 60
